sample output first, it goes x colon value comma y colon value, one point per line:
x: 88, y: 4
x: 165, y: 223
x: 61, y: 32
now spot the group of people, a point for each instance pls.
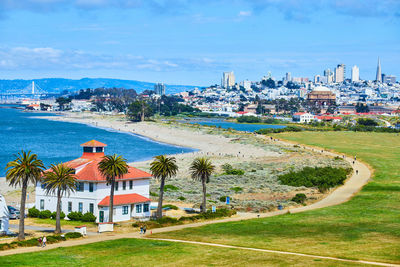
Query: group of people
x: 42, y: 241
x: 143, y: 229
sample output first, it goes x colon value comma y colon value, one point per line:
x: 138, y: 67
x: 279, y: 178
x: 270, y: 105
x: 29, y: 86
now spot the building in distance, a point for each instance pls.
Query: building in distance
x: 340, y: 73
x: 321, y: 96
x: 355, y: 74
x: 159, y: 89
x: 379, y: 71
x: 228, y: 79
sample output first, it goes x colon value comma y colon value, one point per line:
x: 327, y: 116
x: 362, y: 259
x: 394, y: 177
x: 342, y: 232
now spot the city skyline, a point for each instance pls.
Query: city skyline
x: 192, y: 42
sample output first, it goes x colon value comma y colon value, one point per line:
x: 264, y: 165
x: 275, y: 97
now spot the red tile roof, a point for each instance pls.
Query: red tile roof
x: 124, y: 199
x: 94, y: 143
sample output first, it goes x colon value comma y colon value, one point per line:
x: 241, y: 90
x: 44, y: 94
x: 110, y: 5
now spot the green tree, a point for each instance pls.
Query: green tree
x: 61, y: 181
x: 25, y: 169
x: 268, y: 83
x: 201, y: 170
x: 162, y: 168
x: 62, y: 101
x: 139, y: 110
x: 112, y: 167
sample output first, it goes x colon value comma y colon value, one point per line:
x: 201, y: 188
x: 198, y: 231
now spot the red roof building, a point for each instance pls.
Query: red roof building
x: 92, y: 194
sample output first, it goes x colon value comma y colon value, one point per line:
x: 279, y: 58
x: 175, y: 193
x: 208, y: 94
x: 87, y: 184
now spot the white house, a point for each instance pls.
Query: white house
x: 131, y: 199
x: 3, y: 216
x: 303, y: 117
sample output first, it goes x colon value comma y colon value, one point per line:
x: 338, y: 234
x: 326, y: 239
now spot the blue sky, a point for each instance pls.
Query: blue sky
x: 194, y: 41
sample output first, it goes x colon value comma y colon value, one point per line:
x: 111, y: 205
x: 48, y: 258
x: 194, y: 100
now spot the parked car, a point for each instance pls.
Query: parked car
x: 13, y: 212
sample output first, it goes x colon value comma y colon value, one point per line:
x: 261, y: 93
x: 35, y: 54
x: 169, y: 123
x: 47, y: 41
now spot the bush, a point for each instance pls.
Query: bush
x: 182, y: 198
x: 153, y: 194
x: 44, y: 214
x: 222, y: 199
x: 172, y: 207
x: 33, y: 212
x: 299, y: 198
x: 227, y: 167
x: 321, y: 177
x: 75, y: 216
x: 88, y: 217
x: 237, y: 189
x: 235, y: 172
x: 72, y: 235
x: 54, y: 215
x: 248, y: 119
x: 170, y: 187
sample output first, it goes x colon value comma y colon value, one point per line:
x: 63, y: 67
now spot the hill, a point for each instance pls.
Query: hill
x: 58, y: 85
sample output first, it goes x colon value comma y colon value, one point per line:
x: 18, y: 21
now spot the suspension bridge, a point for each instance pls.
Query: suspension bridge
x: 32, y: 90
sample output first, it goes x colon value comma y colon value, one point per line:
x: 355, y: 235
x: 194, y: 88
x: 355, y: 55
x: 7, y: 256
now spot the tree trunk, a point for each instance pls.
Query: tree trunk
x: 111, y: 206
x: 21, y: 232
x: 160, y: 199
x: 58, y: 212
x: 203, y: 206
x: 142, y: 117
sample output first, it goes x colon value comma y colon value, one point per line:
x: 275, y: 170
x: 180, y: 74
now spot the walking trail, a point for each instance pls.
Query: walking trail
x: 341, y: 194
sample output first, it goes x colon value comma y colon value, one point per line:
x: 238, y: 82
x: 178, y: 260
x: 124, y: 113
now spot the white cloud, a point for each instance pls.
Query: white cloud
x: 244, y: 14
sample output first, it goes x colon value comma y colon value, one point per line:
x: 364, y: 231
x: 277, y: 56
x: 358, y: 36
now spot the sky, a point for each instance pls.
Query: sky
x: 191, y: 42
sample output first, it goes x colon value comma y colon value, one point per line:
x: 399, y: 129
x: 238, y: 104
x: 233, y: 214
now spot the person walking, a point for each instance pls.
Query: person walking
x: 144, y: 229
x: 356, y: 172
x: 141, y: 229
x: 40, y: 241
x: 44, y: 240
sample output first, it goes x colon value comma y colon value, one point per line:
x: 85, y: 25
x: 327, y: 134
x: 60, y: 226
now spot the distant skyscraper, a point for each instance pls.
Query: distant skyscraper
x: 159, y: 88
x: 340, y: 73
x: 288, y: 77
x: 329, y: 75
x: 379, y: 71
x: 355, y: 74
x: 228, y: 79
x: 317, y: 78
x: 389, y: 79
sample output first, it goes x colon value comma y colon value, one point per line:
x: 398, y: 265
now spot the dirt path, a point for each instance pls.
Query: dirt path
x: 342, y: 194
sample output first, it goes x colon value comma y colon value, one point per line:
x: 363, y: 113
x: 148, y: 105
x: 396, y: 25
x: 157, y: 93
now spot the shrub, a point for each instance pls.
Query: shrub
x: 75, y: 216
x: 44, y: 214
x: 88, y: 217
x: 153, y: 194
x: 72, y: 235
x: 53, y: 239
x: 170, y: 187
x: 182, y: 198
x: 227, y: 167
x: 235, y: 172
x: 33, y: 212
x: 248, y: 119
x: 321, y: 177
x: 237, y: 189
x: 54, y: 215
x: 172, y: 207
x: 299, y: 198
x: 222, y: 199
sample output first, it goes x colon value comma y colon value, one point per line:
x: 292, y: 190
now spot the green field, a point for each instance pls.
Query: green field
x: 136, y: 252
x: 367, y: 227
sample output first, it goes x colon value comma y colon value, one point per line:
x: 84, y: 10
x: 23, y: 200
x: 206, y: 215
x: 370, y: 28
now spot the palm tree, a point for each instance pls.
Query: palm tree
x: 201, y: 170
x: 112, y: 167
x: 25, y: 169
x: 60, y: 180
x: 162, y: 168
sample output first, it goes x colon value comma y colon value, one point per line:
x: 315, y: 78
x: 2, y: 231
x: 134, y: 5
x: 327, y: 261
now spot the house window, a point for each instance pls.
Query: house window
x: 139, y: 208
x: 123, y: 185
x: 130, y: 184
x: 146, y: 207
x: 90, y: 187
x: 88, y: 149
x: 125, y: 210
x: 69, y: 206
x: 116, y: 186
x: 80, y: 207
x: 91, y: 208
x: 42, y: 204
x: 80, y: 186
x: 99, y: 149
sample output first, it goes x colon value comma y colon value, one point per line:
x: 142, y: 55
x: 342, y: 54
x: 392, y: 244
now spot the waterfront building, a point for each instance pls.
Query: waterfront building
x: 355, y: 74
x: 340, y: 73
x: 159, y: 89
x: 303, y: 117
x: 228, y: 79
x: 131, y: 199
x: 378, y: 71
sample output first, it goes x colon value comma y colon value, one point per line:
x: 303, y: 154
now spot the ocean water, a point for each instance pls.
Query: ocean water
x: 56, y: 142
x: 247, y: 127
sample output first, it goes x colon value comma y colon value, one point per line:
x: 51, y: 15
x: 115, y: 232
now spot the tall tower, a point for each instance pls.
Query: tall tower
x: 340, y: 73
x: 355, y: 74
x: 33, y: 87
x: 379, y: 71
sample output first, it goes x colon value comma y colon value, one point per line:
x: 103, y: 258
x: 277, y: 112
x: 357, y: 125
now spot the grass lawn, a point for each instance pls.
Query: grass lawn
x: 63, y: 222
x: 367, y: 227
x: 136, y: 252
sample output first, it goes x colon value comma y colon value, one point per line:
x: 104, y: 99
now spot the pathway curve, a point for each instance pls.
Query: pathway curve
x: 340, y: 195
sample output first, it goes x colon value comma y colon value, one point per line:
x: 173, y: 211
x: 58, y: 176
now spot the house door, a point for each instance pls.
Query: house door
x: 101, y: 216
